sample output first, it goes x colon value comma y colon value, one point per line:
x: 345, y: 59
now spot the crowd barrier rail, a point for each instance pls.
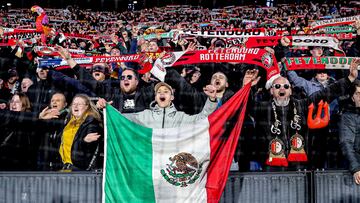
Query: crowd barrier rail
x: 251, y: 187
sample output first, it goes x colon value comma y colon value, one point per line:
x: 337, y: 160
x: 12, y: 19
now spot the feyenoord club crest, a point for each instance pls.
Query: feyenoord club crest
x: 176, y: 35
x: 276, y: 146
x: 183, y: 170
x: 267, y: 60
x: 297, y: 142
x: 168, y: 59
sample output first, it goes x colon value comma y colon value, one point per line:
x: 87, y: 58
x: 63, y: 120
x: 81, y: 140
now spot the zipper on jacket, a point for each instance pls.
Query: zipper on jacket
x: 163, y: 121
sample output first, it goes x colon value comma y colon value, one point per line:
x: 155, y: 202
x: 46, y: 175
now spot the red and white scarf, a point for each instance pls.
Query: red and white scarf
x: 300, y: 41
x: 255, y: 56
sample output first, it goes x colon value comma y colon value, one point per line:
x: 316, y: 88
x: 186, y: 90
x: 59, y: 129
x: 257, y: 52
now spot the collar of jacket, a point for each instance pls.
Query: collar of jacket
x: 351, y: 108
x: 158, y: 110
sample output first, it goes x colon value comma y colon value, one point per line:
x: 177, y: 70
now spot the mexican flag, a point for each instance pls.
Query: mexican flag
x: 185, y: 164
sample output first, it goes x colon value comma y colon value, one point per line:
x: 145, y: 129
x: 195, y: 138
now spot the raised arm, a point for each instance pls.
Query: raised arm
x: 339, y: 88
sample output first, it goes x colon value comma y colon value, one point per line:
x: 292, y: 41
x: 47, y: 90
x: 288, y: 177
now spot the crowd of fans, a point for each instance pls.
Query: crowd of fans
x: 50, y: 116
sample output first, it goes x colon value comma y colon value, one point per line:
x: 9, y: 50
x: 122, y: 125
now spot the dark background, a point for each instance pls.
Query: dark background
x: 121, y: 5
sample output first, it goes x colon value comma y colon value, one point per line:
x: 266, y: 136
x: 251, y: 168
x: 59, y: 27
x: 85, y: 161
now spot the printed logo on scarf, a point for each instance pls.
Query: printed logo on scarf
x: 267, y: 60
x: 168, y: 59
x: 276, y: 146
x: 297, y: 142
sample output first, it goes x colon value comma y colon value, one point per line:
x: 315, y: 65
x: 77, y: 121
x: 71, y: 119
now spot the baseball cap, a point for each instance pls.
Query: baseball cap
x: 160, y: 84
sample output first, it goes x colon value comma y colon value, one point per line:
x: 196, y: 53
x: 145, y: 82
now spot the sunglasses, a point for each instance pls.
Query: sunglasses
x: 123, y: 77
x: 278, y: 86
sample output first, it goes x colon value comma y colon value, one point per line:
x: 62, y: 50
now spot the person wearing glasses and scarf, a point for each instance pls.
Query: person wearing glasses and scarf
x: 281, y: 127
x: 79, y: 141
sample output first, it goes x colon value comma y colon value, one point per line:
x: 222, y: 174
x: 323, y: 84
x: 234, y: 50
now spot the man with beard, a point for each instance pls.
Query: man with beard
x: 281, y: 128
x: 125, y: 95
x: 189, y: 99
x: 349, y: 129
x: 130, y: 98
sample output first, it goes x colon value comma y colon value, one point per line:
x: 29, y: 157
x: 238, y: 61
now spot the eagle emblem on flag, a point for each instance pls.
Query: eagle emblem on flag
x: 183, y: 170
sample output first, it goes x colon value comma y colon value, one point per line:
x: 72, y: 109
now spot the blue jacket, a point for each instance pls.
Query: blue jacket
x: 309, y: 87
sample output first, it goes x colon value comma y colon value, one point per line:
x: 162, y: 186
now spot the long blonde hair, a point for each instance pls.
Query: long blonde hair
x: 91, y: 108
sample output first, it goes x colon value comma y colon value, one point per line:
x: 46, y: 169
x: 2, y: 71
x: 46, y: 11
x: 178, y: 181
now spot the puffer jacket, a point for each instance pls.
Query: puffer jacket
x: 169, y: 117
x: 349, y: 132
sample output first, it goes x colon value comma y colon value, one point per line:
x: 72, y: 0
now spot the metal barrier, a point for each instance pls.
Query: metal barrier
x: 37, y: 187
x: 335, y: 186
x: 267, y: 187
x: 85, y: 187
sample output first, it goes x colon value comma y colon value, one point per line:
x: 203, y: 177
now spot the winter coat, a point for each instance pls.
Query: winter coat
x: 169, y: 117
x: 264, y: 118
x: 82, y: 152
x: 187, y: 97
x: 349, y: 132
x: 40, y: 92
x: 19, y: 140
x: 107, y: 90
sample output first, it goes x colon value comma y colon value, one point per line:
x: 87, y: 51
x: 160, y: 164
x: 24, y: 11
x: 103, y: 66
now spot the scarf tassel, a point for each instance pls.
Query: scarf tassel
x: 277, y: 161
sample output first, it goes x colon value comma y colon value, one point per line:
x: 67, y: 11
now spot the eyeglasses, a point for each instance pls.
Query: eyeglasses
x: 278, y: 86
x: 78, y: 104
x: 123, y: 77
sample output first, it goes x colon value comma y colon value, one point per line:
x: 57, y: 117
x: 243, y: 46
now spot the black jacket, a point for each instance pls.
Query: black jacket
x: 355, y: 48
x: 110, y: 91
x: 264, y: 118
x: 82, y: 152
x: 41, y: 91
x: 187, y: 97
x: 19, y: 140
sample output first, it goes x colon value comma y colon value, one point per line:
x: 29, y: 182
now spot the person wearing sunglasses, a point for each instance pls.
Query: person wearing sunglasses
x: 125, y: 94
x: 281, y: 131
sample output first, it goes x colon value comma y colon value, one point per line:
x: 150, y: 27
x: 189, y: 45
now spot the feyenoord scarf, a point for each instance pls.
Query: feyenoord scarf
x: 340, y: 36
x: 300, y: 41
x: 11, y: 38
x: 337, y: 29
x: 94, y: 59
x: 51, y: 51
x: 173, y: 34
x: 255, y: 56
x: 227, y: 33
x: 300, y: 63
x: 336, y: 21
